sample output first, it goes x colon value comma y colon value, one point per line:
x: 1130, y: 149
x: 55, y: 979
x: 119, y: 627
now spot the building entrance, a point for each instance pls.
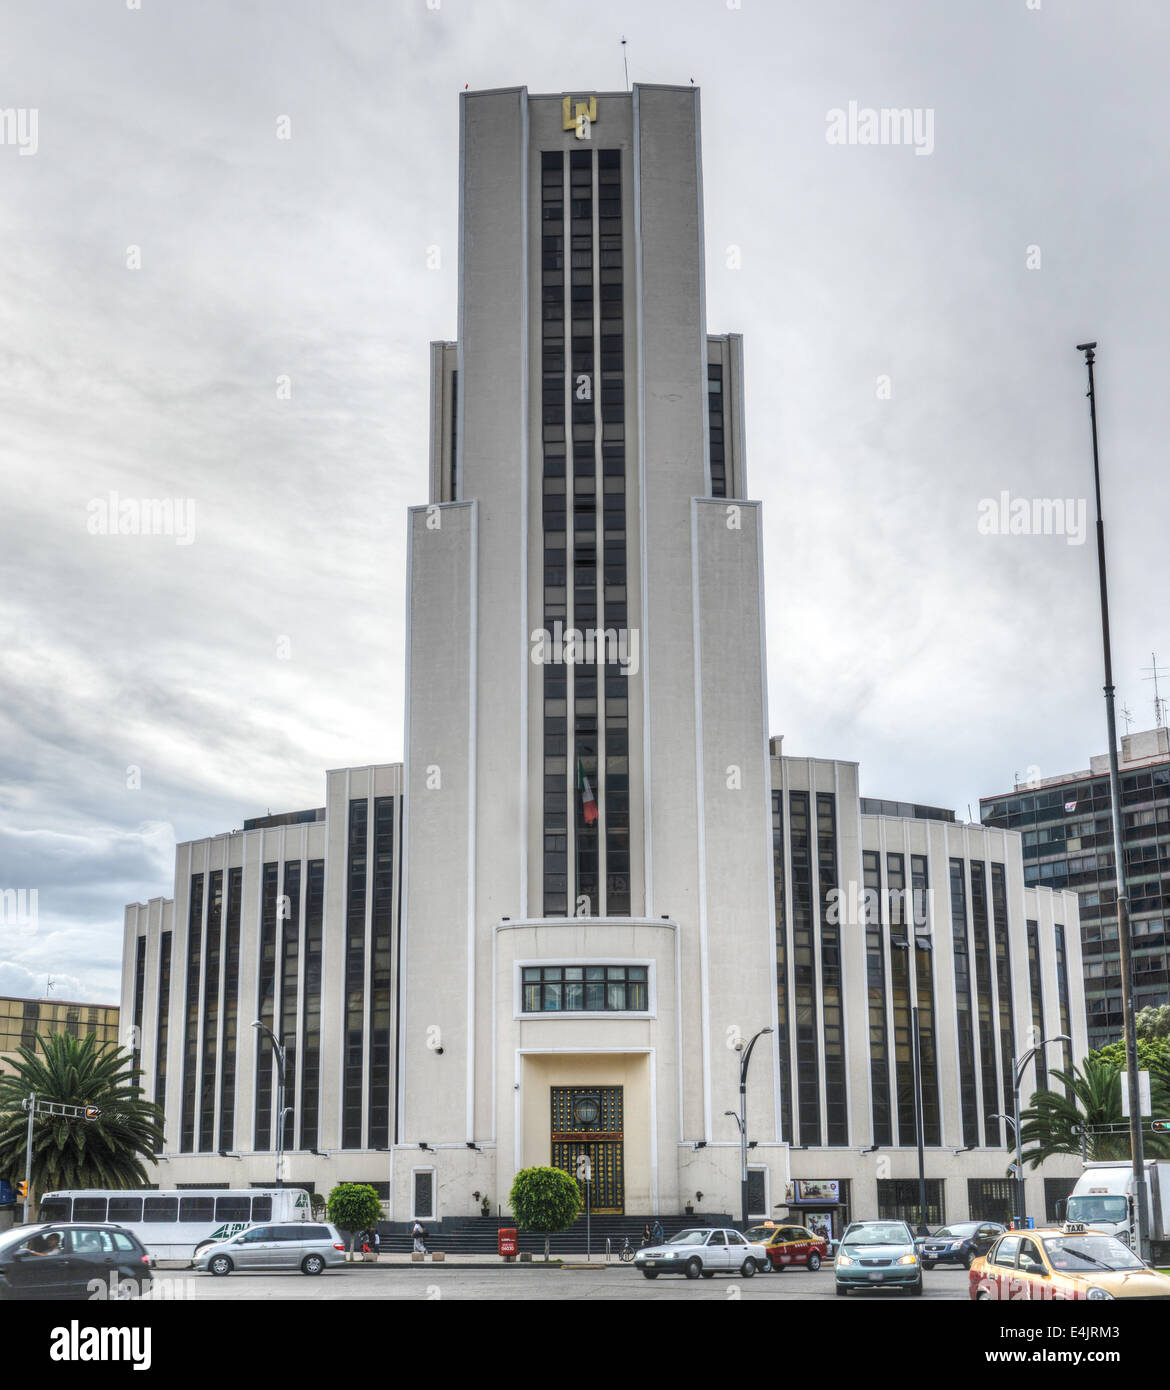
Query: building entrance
x: 588, y: 1120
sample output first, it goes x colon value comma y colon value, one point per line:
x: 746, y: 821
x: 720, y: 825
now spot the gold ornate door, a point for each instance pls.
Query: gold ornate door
x: 588, y: 1120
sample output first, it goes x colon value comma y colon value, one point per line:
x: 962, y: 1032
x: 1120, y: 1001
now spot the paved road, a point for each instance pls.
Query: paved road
x: 617, y: 1282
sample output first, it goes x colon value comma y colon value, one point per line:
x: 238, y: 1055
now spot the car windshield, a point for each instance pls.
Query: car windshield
x: 957, y: 1232
x: 692, y: 1237
x: 760, y: 1233
x: 1085, y: 1253
x: 877, y: 1234
x: 1098, y: 1208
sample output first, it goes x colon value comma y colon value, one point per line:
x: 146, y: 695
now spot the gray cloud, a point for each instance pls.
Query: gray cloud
x: 942, y: 659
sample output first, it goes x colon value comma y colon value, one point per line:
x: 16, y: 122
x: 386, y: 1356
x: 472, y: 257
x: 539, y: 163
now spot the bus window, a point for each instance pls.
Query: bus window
x: 196, y: 1208
x: 56, y: 1208
x: 237, y: 1208
x: 125, y: 1209
x: 160, y: 1209
x: 89, y: 1208
x: 261, y: 1208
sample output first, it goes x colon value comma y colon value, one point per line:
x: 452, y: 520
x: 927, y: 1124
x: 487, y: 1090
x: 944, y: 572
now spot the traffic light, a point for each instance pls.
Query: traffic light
x: 22, y: 1190
x: 1160, y: 1126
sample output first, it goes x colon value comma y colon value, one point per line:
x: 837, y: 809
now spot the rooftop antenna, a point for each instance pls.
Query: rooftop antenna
x: 1159, y: 703
x: 1126, y: 717
x: 50, y: 985
x: 625, y: 62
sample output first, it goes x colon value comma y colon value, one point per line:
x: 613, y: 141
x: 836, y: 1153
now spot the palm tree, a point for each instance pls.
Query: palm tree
x: 1090, y: 1099
x: 106, y: 1152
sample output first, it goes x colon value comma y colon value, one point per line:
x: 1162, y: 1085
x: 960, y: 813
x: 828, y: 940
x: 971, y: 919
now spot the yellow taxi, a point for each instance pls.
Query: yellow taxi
x: 790, y: 1245
x: 1064, y: 1262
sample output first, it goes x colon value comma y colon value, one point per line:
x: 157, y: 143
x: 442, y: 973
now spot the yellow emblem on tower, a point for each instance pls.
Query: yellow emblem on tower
x: 579, y: 116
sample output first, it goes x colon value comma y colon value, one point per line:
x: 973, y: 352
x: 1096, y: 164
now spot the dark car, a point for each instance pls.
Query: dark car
x: 62, y: 1259
x: 960, y: 1244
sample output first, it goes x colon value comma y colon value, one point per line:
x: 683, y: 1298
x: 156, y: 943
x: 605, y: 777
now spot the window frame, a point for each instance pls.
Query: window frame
x: 563, y: 962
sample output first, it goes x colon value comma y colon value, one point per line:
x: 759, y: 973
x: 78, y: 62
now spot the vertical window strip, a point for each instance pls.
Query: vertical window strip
x: 875, y: 979
x: 584, y: 682
x: 1037, y: 990
x: 266, y: 1005
x: 968, y: 1094
x: 928, y: 1053
x: 454, y: 436
x: 783, y: 1041
x: 1003, y: 976
x: 1062, y: 998
x: 715, y: 394
x: 231, y: 1008
x: 311, y: 1017
x: 992, y: 1129
x: 289, y: 971
x: 832, y: 984
x: 804, y: 971
x: 612, y: 559
x: 139, y: 994
x: 554, y: 770
x: 380, y: 974
x: 902, y: 928
x: 355, y: 975
x: 163, y: 1025
x: 191, y: 1016
x: 211, y: 960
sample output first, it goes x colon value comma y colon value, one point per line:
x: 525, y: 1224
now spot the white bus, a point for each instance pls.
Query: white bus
x: 172, y: 1223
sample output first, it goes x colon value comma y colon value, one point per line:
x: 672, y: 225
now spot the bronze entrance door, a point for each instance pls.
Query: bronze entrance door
x: 588, y: 1120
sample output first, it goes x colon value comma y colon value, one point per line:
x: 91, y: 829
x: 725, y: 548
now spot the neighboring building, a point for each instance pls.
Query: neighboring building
x: 931, y: 914
x: 1068, y: 843
x: 545, y: 932
x: 21, y: 1020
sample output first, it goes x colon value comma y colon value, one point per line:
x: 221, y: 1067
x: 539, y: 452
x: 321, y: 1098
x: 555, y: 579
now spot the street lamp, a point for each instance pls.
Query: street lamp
x: 904, y: 943
x: 1018, y: 1066
x: 278, y: 1049
x: 745, y: 1057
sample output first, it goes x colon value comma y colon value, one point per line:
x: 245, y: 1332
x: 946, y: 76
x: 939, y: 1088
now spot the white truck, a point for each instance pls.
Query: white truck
x: 1103, y: 1198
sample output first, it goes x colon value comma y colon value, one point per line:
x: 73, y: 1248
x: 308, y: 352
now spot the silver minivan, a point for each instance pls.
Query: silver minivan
x: 309, y: 1246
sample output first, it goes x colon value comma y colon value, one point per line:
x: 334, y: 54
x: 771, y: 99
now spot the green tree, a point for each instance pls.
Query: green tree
x: 1153, y: 1056
x: 1089, y: 1098
x: 353, y: 1207
x: 544, y: 1200
x: 111, y: 1151
x: 1153, y: 1022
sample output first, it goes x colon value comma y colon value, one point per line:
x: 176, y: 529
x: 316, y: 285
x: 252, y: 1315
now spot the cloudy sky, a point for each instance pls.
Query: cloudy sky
x: 194, y: 308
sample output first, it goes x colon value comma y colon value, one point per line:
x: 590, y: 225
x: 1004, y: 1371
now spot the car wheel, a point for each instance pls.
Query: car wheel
x: 927, y: 1266
x: 708, y: 1274
x: 982, y: 1296
x: 748, y: 1268
x: 312, y: 1264
x: 220, y: 1264
x: 842, y: 1291
x: 968, y: 1259
x: 649, y: 1274
x: 694, y: 1268
x: 814, y: 1262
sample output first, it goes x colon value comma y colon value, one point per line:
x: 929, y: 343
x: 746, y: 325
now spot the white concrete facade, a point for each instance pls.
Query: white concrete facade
x: 467, y: 905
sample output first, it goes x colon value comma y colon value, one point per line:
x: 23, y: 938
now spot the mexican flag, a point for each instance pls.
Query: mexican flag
x: 588, y: 800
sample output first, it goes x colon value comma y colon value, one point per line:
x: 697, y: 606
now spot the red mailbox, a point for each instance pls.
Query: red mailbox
x: 506, y: 1242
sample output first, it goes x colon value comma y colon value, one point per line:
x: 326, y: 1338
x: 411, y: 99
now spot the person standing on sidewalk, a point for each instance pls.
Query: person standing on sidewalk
x: 420, y: 1237
x: 376, y: 1243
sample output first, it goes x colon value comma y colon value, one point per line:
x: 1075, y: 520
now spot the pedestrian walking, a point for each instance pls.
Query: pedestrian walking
x: 659, y: 1233
x: 647, y: 1238
x: 376, y: 1243
x: 420, y: 1238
